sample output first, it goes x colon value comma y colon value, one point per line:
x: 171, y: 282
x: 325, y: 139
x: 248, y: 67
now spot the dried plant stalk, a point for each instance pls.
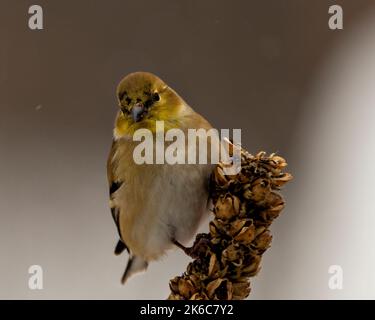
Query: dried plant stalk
x: 244, y: 207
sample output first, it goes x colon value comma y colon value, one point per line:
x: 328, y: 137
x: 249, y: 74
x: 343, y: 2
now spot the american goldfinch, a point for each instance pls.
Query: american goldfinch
x: 154, y: 206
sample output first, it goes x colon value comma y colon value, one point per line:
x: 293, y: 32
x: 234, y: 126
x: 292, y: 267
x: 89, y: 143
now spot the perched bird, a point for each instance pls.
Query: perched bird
x: 154, y: 206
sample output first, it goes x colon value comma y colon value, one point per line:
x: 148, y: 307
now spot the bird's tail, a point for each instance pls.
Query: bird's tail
x: 135, y: 264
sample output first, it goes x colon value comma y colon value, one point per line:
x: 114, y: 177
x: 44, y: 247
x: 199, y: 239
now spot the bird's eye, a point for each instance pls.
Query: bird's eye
x: 128, y: 100
x: 155, y: 97
x: 121, y: 95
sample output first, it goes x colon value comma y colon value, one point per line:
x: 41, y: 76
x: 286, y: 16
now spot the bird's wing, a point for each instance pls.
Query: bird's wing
x: 114, y: 185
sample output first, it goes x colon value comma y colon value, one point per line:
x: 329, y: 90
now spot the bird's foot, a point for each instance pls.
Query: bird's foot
x: 198, y: 249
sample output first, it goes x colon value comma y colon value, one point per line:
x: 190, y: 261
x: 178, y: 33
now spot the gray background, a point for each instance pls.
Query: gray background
x: 267, y: 67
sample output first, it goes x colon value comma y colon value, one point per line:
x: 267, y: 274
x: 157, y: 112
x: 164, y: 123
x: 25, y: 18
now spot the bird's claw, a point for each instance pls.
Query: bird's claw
x: 198, y: 249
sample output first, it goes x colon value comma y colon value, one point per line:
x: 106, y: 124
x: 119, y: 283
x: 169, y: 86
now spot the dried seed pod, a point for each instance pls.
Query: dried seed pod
x: 199, y: 296
x: 214, y: 230
x: 243, y: 179
x: 186, y: 288
x: 241, y: 290
x: 175, y: 296
x: 236, y: 226
x: 213, y: 266
x: 252, y: 268
x: 225, y: 291
x: 173, y: 284
x: 261, y: 188
x: 244, y: 207
x: 220, y: 289
x: 247, y: 194
x: 246, y: 235
x: 219, y: 176
x: 227, y: 207
x: 282, y: 179
x: 274, y: 199
x: 263, y: 241
x: 260, y: 154
x: 280, y: 161
x: 231, y: 253
x: 212, y: 286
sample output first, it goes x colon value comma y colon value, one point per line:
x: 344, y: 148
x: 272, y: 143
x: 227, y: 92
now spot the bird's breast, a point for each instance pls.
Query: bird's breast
x: 158, y: 202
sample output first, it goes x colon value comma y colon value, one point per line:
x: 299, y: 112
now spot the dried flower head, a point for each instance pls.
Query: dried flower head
x: 244, y: 206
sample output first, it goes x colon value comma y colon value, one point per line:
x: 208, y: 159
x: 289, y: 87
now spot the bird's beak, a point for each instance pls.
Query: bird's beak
x: 137, y: 111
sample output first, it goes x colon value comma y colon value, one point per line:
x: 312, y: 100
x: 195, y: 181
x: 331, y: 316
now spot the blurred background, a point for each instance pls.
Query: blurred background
x: 272, y: 68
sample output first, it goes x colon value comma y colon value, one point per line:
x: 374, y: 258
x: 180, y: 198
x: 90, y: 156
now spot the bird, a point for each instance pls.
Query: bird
x: 159, y: 206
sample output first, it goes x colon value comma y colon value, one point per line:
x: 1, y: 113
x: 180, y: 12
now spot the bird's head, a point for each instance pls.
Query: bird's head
x: 144, y: 98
